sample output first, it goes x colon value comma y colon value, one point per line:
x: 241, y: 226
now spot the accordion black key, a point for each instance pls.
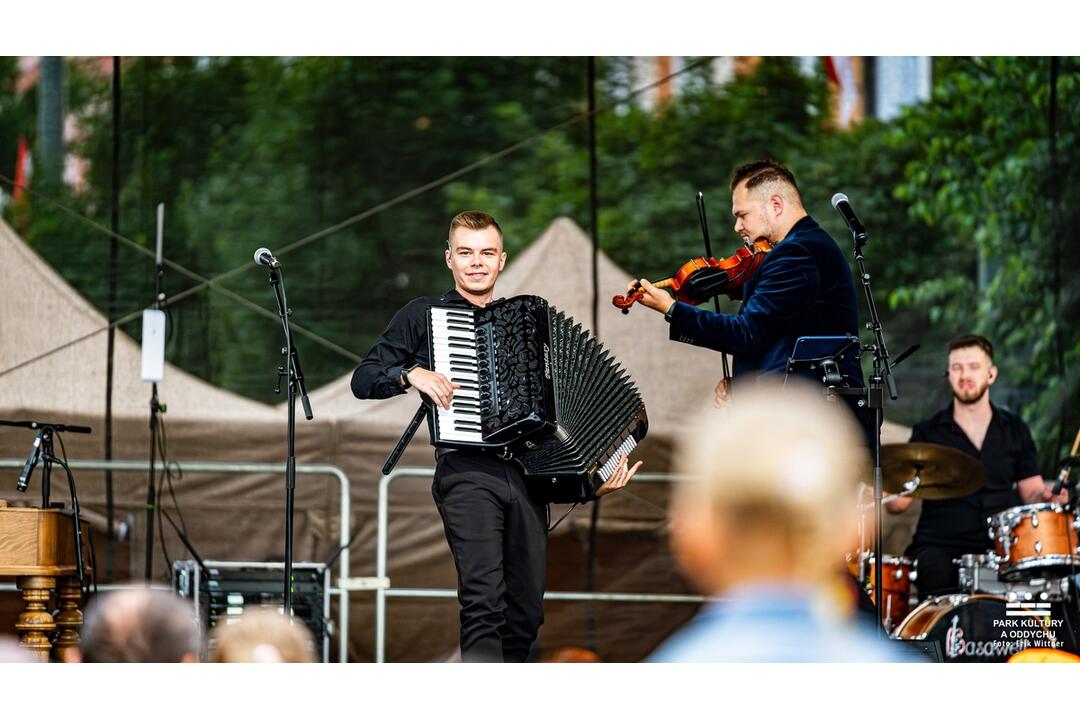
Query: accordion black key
x: 538, y: 387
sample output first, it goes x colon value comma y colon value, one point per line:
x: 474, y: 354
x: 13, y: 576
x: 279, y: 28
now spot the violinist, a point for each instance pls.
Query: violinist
x: 803, y: 286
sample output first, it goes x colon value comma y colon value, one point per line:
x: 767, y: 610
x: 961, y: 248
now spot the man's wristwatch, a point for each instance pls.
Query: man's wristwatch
x: 670, y: 310
x: 403, y: 377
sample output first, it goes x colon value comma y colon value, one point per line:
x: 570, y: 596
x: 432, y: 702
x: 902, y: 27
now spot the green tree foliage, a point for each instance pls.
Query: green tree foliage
x: 266, y: 151
x: 1005, y: 210
x: 16, y: 117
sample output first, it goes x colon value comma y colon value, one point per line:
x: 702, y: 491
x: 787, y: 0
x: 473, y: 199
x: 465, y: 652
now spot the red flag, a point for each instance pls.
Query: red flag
x: 23, y: 169
x: 830, y: 71
x: 841, y: 73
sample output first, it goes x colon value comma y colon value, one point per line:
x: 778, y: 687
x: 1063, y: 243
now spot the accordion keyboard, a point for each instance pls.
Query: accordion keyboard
x: 455, y: 355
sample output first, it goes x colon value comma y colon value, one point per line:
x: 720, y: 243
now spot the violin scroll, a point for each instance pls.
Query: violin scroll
x: 624, y: 302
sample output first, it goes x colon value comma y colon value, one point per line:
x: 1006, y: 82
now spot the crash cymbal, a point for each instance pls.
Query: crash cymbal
x: 929, y: 471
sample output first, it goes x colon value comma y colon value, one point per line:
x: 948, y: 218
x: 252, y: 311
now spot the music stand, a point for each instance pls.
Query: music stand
x: 822, y: 354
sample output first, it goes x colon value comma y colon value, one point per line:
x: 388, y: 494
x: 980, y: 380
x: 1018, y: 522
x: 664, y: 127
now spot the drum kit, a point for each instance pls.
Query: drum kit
x: 1011, y: 598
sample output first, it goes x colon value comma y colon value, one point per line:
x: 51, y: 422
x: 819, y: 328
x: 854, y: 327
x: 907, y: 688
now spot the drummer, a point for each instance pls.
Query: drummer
x: 998, y: 438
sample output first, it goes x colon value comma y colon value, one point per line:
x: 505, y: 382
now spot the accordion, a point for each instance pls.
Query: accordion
x: 537, y: 386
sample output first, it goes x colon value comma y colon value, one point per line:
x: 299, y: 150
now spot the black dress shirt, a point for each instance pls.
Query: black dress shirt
x: 402, y: 346
x: 1007, y: 452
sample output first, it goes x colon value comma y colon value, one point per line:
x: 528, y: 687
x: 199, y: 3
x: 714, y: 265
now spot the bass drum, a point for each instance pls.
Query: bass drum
x: 981, y: 628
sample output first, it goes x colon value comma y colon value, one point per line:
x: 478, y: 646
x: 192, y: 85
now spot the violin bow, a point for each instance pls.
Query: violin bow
x: 708, y: 254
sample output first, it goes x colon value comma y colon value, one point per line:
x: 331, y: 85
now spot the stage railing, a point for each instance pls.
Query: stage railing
x: 383, y: 590
x: 339, y: 589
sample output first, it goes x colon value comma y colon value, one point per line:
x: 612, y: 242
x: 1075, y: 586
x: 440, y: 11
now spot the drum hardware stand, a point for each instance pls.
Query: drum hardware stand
x: 862, y: 506
x: 42, y: 450
x: 913, y: 484
x: 295, y: 376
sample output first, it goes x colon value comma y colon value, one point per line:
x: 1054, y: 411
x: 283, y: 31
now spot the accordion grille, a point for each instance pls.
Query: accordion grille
x: 599, y: 411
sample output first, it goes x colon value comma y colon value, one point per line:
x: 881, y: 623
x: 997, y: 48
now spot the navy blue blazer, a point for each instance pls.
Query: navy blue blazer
x: 803, y: 287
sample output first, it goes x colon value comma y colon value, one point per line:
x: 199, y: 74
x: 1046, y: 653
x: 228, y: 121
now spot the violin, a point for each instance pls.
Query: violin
x: 703, y: 277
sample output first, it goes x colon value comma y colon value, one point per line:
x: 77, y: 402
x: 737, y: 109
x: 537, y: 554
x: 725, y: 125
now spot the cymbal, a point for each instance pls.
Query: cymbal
x: 929, y: 471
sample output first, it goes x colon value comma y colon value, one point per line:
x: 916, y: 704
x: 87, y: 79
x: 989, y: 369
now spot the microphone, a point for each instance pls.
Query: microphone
x: 31, y: 461
x: 263, y: 256
x: 841, y: 205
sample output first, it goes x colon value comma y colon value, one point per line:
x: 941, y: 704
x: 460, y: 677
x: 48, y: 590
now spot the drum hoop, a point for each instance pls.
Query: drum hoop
x: 1010, y: 516
x: 954, y: 600
x: 1007, y: 569
x: 893, y: 560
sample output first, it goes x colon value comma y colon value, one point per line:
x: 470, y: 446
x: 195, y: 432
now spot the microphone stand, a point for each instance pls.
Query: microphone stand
x: 155, y: 407
x: 872, y: 398
x: 42, y: 450
x: 296, y: 386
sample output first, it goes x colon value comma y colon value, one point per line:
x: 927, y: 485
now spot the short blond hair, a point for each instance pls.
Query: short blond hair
x: 784, y: 461
x: 472, y: 220
x: 262, y: 636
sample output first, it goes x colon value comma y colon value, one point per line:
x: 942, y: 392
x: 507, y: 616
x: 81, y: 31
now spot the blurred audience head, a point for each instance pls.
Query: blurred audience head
x: 139, y: 625
x: 772, y: 488
x: 262, y: 636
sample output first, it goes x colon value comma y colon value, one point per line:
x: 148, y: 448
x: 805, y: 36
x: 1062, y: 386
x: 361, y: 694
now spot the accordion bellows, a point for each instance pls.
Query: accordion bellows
x: 538, y: 386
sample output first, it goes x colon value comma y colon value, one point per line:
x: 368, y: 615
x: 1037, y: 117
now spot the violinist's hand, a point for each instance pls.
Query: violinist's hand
x: 723, y: 394
x: 435, y: 385
x: 654, y: 297
x: 619, y: 478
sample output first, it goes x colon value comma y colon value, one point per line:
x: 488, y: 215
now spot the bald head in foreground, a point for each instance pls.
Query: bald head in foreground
x: 759, y: 527
x: 139, y: 625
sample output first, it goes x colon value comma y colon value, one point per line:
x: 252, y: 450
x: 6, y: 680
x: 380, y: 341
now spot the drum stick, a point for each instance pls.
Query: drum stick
x: 1063, y: 477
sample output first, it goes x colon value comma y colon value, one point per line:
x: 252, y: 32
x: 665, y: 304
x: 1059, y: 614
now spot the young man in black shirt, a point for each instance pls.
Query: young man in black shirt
x: 496, y: 531
x: 948, y: 529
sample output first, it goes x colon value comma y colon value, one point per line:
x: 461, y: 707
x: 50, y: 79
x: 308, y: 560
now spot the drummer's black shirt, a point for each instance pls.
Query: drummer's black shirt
x: 1008, y: 453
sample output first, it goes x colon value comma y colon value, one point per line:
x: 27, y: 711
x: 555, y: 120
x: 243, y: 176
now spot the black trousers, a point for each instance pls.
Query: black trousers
x: 498, y: 537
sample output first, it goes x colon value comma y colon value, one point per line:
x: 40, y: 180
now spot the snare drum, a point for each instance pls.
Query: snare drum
x: 1036, y: 540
